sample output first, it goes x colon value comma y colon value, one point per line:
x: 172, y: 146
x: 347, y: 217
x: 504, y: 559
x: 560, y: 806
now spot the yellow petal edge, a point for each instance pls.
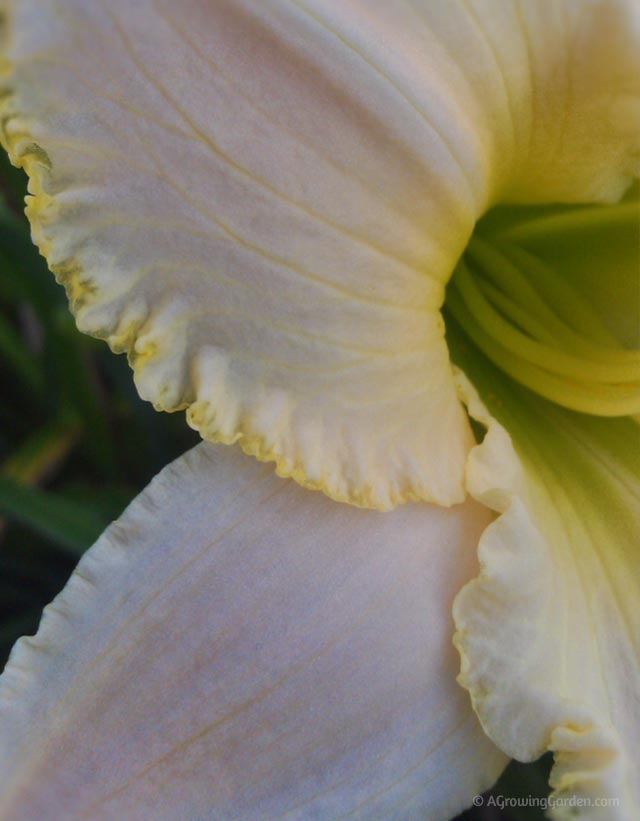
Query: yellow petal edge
x: 201, y: 415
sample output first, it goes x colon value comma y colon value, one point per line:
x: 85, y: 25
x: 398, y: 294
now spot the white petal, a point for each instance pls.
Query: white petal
x: 549, y: 632
x: 264, y: 222
x: 262, y: 202
x: 235, y: 647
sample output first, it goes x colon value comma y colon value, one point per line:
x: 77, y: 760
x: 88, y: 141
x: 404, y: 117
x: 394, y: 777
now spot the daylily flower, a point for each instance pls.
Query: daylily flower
x: 262, y: 202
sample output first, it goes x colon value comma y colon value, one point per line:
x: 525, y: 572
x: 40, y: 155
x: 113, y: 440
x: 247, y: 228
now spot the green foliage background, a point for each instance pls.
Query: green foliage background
x: 77, y: 444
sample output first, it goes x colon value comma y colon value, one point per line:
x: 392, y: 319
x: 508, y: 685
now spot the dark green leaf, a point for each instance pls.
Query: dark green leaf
x: 71, y: 526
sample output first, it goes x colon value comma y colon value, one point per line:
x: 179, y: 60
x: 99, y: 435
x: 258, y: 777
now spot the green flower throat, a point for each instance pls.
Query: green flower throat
x: 538, y: 317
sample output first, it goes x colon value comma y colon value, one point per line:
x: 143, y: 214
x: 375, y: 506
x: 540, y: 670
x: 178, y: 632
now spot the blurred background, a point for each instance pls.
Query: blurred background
x: 77, y: 444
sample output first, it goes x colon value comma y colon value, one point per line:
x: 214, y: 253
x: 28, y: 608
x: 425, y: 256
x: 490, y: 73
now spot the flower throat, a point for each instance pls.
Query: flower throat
x: 533, y: 322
